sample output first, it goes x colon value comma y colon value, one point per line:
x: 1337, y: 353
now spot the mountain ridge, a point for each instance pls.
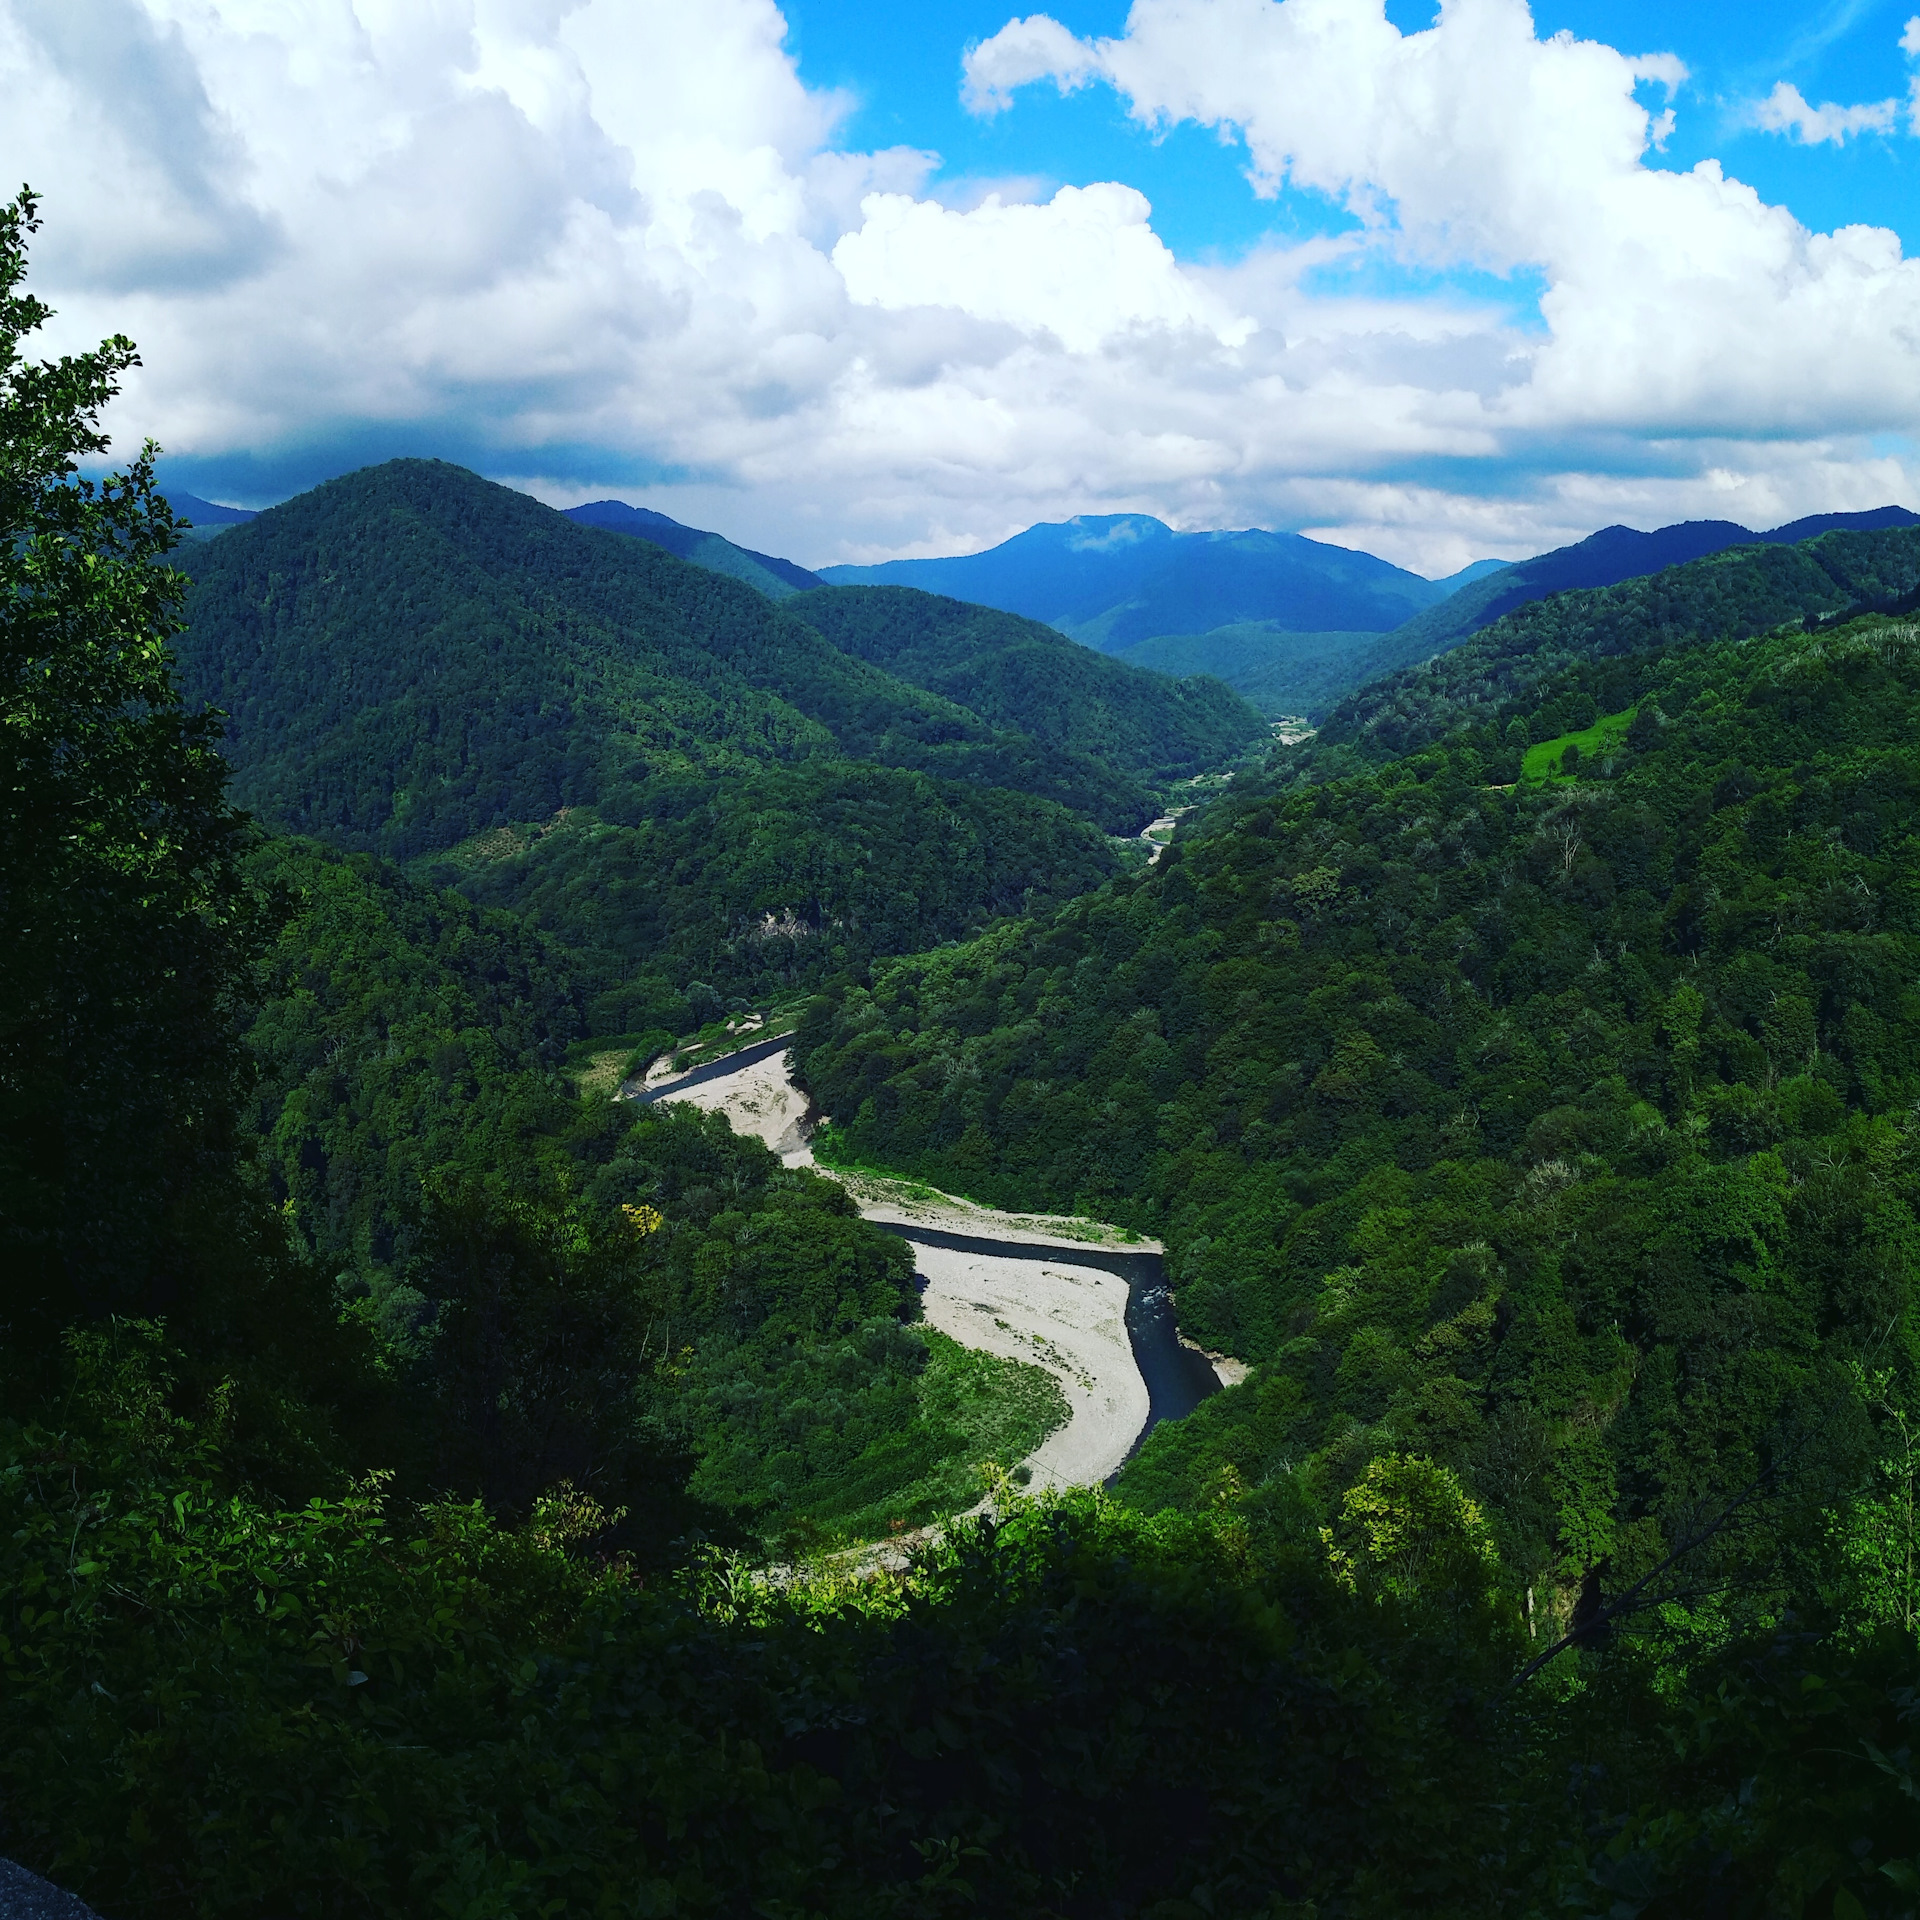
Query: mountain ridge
x: 1737, y: 593
x: 1111, y: 580
x: 771, y: 575
x: 1604, y: 559
x: 653, y: 760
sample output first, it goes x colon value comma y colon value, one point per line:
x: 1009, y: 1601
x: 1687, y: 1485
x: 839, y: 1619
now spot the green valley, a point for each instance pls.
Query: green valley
x: 685, y: 782
x: 429, y: 1484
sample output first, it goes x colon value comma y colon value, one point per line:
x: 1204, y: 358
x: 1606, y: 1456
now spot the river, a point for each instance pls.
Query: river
x: 1061, y: 1294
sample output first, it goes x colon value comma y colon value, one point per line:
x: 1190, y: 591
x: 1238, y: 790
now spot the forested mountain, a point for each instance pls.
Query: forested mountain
x: 774, y: 577
x: 1114, y: 579
x: 411, y: 654
x: 1559, y: 1133
x: 1018, y: 673
x: 1603, y: 559
x: 1281, y: 670
x: 427, y: 1153
x: 657, y: 760
x: 744, y: 887
x: 1274, y: 670
x: 1494, y: 678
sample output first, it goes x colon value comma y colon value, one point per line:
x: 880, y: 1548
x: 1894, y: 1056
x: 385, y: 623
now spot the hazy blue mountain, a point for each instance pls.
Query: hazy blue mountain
x: 774, y: 577
x: 208, y: 516
x: 1280, y: 669
x: 1472, y: 571
x: 1113, y: 580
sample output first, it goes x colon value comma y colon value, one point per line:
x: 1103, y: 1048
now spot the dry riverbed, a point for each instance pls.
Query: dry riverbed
x: 1067, y: 1317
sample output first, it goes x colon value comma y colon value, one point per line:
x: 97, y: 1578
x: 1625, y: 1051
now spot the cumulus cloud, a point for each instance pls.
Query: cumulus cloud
x: 1785, y: 110
x: 1083, y: 268
x: 1676, y: 303
x: 1037, y: 48
x: 619, y: 245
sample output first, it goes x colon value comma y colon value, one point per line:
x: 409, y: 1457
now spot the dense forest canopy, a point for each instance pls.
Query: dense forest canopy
x: 375, y: 1413
x: 1560, y: 1133
x: 1018, y: 673
x: 410, y: 655
x: 427, y: 1153
x: 1496, y: 677
x: 692, y: 785
x: 1602, y: 559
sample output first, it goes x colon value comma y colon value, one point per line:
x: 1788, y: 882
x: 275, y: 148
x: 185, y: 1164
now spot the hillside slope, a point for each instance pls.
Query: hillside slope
x: 420, y: 664
x: 411, y: 654
x: 408, y: 1106
x: 1603, y: 559
x: 1732, y: 595
x: 1018, y: 673
x: 1284, y: 671
x: 1275, y: 670
x: 1561, y: 1134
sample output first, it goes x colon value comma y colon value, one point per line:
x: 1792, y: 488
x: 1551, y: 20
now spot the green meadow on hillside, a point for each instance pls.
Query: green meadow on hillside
x: 1547, y: 759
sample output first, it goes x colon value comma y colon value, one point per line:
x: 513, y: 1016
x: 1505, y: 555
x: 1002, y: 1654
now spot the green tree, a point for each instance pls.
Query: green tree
x: 1876, y: 1545
x: 122, y: 918
x: 1410, y: 1530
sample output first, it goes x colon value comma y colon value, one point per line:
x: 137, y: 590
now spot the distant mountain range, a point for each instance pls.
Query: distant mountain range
x: 1604, y: 559
x: 1744, y: 590
x: 1292, y: 625
x: 1114, y: 580
x: 208, y: 517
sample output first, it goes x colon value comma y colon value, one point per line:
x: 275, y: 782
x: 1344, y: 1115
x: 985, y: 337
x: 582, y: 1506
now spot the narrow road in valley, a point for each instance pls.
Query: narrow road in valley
x: 1157, y: 833
x: 1069, y: 1295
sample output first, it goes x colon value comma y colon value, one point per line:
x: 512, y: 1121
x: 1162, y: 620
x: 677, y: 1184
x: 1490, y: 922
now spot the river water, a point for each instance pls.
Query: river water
x: 1177, y: 1378
x: 1049, y: 1316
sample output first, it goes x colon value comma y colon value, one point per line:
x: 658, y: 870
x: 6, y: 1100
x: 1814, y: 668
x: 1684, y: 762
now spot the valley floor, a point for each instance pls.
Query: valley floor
x: 1063, y: 1315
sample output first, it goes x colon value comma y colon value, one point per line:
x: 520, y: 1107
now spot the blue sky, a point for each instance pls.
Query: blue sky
x: 901, y: 64
x: 691, y: 253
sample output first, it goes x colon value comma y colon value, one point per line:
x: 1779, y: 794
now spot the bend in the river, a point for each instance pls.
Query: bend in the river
x: 1069, y: 1296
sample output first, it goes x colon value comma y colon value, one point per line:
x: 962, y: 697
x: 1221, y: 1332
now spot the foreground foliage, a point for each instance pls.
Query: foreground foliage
x: 215, y: 1706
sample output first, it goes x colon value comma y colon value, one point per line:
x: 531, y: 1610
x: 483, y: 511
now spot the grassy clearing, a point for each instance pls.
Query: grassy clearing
x: 872, y: 1187
x: 1606, y: 735
x: 1003, y: 1409
x: 598, y: 1076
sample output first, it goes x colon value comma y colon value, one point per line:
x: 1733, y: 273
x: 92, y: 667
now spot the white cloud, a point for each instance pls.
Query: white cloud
x: 1676, y: 303
x: 1785, y: 110
x: 1084, y: 267
x: 1037, y: 48
x: 1910, y: 38
x: 597, y: 243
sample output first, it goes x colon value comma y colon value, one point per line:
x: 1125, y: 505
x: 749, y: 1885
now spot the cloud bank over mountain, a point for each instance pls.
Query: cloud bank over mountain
x: 617, y: 247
